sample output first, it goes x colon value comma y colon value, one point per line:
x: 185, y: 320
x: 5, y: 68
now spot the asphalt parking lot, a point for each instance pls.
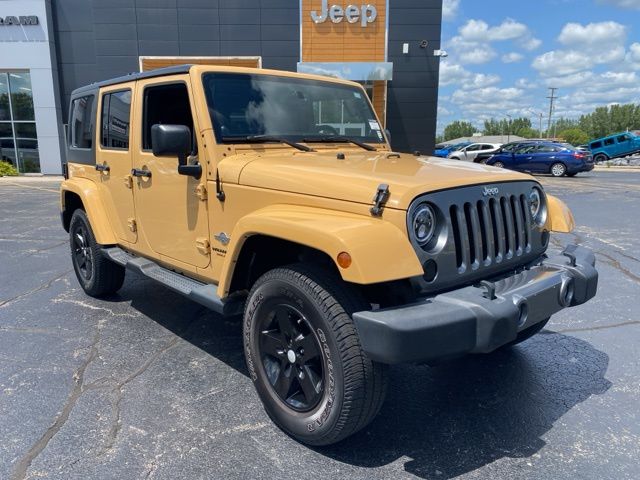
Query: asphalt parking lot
x: 149, y: 385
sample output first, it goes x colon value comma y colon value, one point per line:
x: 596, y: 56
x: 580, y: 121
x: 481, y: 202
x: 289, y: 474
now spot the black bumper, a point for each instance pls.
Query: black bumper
x: 478, y: 319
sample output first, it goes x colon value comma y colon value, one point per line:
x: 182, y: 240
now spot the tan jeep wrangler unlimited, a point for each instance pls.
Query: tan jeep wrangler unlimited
x: 276, y: 195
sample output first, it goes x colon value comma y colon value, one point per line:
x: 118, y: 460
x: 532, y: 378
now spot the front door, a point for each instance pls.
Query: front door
x: 172, y: 217
x: 114, y: 159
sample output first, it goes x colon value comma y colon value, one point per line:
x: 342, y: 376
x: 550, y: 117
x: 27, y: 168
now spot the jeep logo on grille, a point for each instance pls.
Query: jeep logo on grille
x: 490, y: 191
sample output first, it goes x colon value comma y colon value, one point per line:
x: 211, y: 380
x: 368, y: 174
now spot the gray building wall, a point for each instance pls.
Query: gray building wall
x: 412, y: 96
x: 98, y: 39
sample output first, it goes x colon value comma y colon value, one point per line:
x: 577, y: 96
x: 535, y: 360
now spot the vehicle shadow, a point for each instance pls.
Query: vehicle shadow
x: 442, y: 421
x: 457, y: 417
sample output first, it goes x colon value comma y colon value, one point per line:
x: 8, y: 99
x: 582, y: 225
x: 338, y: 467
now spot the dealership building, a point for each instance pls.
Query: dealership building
x: 50, y: 47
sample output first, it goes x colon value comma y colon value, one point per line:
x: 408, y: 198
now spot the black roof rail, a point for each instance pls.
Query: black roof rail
x: 158, y: 72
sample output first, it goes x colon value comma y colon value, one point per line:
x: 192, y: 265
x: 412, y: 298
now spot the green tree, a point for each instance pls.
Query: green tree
x: 528, y: 132
x: 574, y: 136
x: 458, y: 129
x: 506, y: 126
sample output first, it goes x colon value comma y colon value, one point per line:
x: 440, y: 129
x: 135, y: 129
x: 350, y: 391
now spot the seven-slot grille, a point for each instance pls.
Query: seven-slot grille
x: 490, y: 231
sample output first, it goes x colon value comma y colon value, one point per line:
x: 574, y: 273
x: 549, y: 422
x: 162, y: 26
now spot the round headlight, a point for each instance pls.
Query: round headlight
x: 424, y: 223
x: 535, y: 202
x: 537, y: 206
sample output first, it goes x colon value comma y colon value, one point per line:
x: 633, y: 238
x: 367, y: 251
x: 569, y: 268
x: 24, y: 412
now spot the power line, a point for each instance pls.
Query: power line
x: 552, y: 98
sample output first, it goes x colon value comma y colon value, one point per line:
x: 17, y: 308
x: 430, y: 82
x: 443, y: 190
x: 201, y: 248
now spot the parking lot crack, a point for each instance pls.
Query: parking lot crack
x: 598, y: 327
x: 38, y: 447
x: 615, y: 263
x: 44, y: 286
x: 116, y: 423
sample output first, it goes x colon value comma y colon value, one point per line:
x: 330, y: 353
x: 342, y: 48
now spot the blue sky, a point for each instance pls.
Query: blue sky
x: 504, y: 54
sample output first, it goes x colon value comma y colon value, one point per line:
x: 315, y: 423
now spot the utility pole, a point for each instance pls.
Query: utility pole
x: 552, y: 98
x: 539, y: 115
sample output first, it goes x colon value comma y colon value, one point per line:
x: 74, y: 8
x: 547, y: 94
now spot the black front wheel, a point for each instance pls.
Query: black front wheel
x: 97, y: 275
x: 304, y: 356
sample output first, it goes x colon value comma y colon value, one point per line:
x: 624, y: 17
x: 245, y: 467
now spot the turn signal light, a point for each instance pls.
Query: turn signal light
x: 344, y: 259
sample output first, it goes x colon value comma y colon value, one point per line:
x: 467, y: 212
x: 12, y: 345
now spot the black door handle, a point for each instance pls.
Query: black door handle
x: 139, y: 172
x: 103, y: 167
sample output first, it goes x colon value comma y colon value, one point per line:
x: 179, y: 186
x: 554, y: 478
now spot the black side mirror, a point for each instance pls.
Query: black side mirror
x: 170, y: 140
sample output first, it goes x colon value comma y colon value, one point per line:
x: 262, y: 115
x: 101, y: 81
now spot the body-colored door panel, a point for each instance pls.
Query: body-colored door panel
x: 114, y: 158
x: 172, y: 217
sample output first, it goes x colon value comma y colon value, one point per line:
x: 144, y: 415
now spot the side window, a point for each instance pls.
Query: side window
x: 473, y: 148
x: 623, y: 138
x: 608, y: 141
x: 487, y: 147
x: 595, y: 145
x: 165, y: 104
x: 81, y: 131
x: 116, y: 118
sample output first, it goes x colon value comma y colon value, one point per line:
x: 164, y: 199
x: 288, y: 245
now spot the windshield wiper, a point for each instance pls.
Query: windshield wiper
x: 340, y: 139
x: 266, y: 139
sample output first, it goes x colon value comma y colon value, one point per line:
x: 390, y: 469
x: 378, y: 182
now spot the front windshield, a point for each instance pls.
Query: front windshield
x: 244, y: 105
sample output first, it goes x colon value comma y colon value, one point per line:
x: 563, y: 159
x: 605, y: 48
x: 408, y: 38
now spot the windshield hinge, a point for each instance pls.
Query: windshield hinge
x: 380, y: 198
x: 201, y: 192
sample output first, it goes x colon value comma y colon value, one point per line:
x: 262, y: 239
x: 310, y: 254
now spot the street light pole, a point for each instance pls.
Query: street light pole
x: 509, y: 128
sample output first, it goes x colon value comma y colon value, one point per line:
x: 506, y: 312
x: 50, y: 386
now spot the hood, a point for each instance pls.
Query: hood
x: 357, y: 176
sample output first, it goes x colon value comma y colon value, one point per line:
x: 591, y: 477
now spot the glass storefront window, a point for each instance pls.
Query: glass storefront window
x: 18, y: 139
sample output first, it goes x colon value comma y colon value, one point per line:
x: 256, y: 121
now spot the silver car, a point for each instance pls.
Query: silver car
x: 470, y: 152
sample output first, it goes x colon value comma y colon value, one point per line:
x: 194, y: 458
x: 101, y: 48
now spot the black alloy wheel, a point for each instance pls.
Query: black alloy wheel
x: 292, y: 358
x: 82, y: 252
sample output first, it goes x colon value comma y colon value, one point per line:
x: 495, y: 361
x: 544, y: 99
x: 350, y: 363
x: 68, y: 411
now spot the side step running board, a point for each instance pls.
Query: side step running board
x: 203, y: 293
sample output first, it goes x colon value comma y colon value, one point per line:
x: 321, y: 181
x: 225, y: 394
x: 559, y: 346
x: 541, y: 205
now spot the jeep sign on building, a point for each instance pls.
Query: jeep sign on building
x: 50, y: 47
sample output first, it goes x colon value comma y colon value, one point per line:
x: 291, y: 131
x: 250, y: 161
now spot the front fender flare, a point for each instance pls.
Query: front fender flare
x: 559, y: 216
x: 90, y: 197
x: 379, y: 250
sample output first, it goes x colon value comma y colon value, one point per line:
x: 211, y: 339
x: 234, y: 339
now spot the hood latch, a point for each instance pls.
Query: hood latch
x: 380, y: 198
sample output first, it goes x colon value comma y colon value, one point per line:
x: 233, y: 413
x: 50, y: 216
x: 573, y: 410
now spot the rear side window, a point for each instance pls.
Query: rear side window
x: 608, y: 141
x: 596, y: 145
x: 116, y: 118
x: 623, y: 138
x: 81, y: 131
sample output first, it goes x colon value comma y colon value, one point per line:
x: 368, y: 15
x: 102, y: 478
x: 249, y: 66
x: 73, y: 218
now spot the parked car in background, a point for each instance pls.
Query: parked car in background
x: 583, y: 148
x: 613, y: 146
x: 554, y: 158
x: 506, y: 148
x: 444, y: 150
x: 470, y: 152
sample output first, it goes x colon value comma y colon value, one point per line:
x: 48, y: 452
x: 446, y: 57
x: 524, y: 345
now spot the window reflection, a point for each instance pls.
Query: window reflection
x: 18, y: 138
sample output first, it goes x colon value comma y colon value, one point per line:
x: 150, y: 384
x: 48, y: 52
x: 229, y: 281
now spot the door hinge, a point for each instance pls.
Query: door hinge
x: 203, y: 245
x: 133, y: 225
x: 128, y: 181
x: 201, y: 192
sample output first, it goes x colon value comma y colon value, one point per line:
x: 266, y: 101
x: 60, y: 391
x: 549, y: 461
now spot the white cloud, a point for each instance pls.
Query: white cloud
x: 474, y: 39
x: 490, y: 100
x: 526, y: 83
x: 562, y: 62
x: 453, y: 74
x: 632, y: 4
x: 594, y: 36
x: 512, y: 57
x: 450, y: 9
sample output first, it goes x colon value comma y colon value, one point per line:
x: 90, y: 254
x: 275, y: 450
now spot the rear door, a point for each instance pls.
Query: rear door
x: 171, y: 214
x: 114, y: 159
x: 625, y: 144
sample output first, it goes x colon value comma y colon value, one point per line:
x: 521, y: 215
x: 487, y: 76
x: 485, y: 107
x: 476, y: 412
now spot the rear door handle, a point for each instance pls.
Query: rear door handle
x: 139, y: 172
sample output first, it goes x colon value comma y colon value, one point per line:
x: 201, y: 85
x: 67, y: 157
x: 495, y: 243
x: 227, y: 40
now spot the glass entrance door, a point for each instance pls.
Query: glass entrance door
x: 18, y: 139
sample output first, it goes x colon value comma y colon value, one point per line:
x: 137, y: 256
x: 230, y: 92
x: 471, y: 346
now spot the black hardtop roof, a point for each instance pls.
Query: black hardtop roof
x: 159, y: 72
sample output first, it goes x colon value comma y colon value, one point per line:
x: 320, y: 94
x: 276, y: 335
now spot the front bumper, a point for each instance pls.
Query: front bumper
x: 478, y: 319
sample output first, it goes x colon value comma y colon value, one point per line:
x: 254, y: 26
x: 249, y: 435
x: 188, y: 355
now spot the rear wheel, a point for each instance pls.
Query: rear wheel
x: 558, y: 169
x: 498, y: 165
x: 304, y: 356
x: 600, y: 157
x: 97, y: 275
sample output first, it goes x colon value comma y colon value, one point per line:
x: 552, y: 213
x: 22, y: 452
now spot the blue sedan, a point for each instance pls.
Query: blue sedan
x: 558, y: 159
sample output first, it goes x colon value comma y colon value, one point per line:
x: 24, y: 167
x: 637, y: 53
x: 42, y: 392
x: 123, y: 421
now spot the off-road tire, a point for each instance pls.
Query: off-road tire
x: 558, y: 169
x: 354, y: 386
x: 600, y: 157
x: 100, y: 276
x: 527, y: 333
